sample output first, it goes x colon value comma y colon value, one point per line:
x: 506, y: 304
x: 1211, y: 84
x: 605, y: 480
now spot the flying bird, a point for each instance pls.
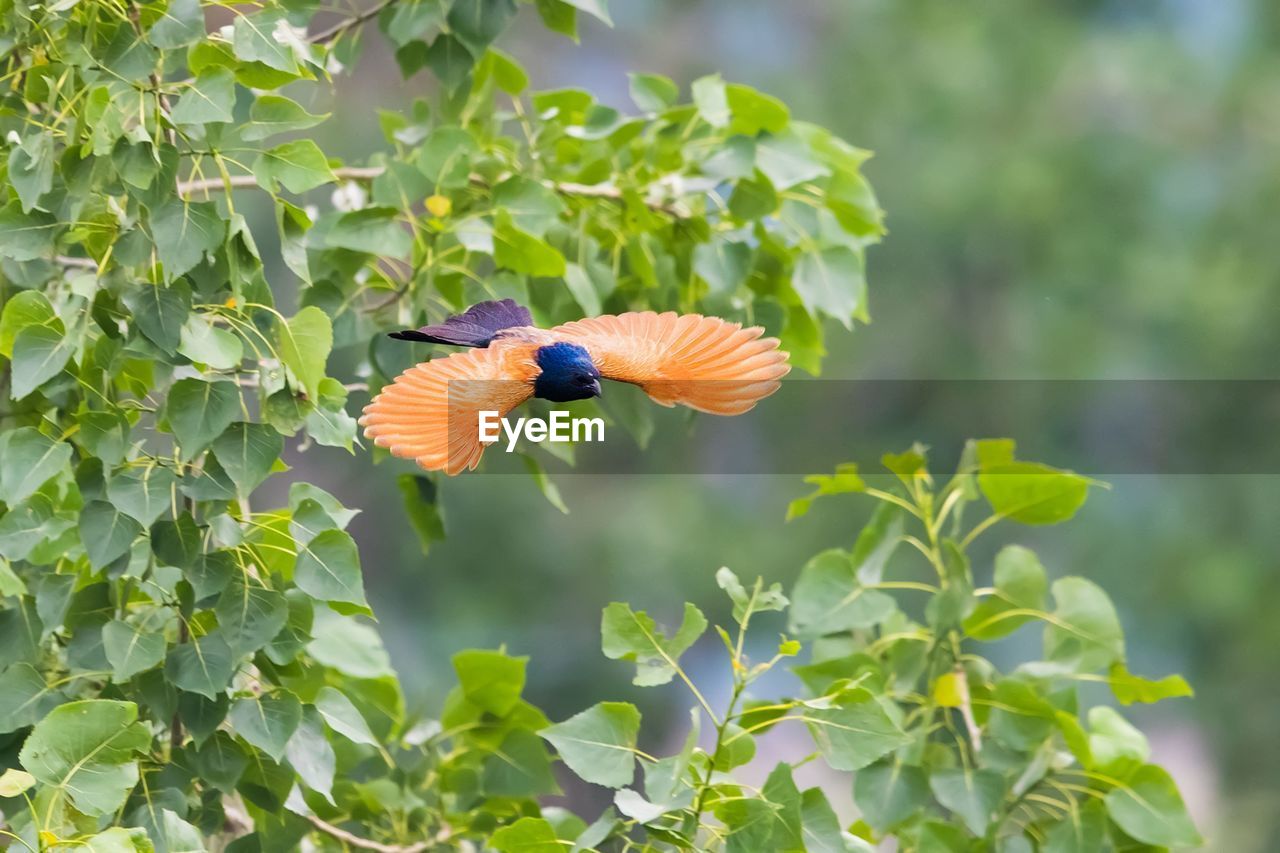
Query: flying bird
x: 431, y: 412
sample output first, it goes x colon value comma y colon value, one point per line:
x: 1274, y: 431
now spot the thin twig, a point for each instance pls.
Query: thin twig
x: 966, y: 709
x: 326, y: 36
x: 346, y: 173
x: 364, y: 843
x: 81, y: 263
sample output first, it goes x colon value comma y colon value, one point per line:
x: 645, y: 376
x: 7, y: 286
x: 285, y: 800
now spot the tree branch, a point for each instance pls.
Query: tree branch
x: 966, y: 709
x: 334, y: 32
x: 347, y: 173
x: 364, y: 843
x: 368, y: 173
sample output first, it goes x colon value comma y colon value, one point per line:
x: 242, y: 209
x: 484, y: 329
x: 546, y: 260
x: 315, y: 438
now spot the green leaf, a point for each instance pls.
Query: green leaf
x: 247, y: 451
x: 14, y: 782
x: 349, y: 646
x: 311, y: 754
x: 476, y: 23
x: 10, y: 582
x: 254, y: 40
x: 267, y: 722
x: 343, y: 716
x: 1115, y: 746
x: 205, y: 343
x: 160, y: 313
x: 755, y: 111
x: 855, y: 734
x: 490, y: 680
x: 758, y: 600
x: 527, y: 835
x: 373, y: 230
x: 631, y: 636
x: 23, y: 309
x: 831, y: 282
x: 28, y: 459
x: 88, y: 751
x: 299, y: 165
x: 447, y: 57
x: 519, y: 767
x: 39, y: 354
x: 1129, y: 688
x: 272, y: 114
x: 722, y: 264
x: 184, y: 232
x: 750, y: 824
x: 876, y: 543
x: 203, y: 666
x: 130, y: 649
x: 1085, y: 634
x: 331, y: 429
x: 104, y: 435
x: 20, y: 633
x: 117, y: 839
x: 1020, y: 584
x: 26, y: 236
x: 888, y: 792
x: 420, y: 503
x: 974, y: 796
x: 828, y: 598
x: 1081, y: 831
x: 302, y: 492
x: 596, y: 8
x: 1150, y: 809
x: 221, y: 761
x: 24, y: 700
x: 522, y: 252
x: 249, y: 615
x: 532, y: 207
x: 328, y: 569
x: 199, y: 411
x: 1031, y: 493
x: 712, y: 101
x: 653, y: 93
x: 405, y: 21
x: 786, y: 160
x: 29, y: 525
x: 544, y: 483
x: 845, y: 480
x: 599, y: 744
x: 304, y: 342
x: 181, y: 24
x: 211, y: 573
x: 107, y: 533
x: 559, y: 17
x: 211, y: 97
x: 142, y: 493
x: 31, y: 168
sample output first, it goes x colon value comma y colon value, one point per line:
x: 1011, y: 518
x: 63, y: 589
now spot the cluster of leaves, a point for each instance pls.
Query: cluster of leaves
x: 182, y: 669
x: 948, y: 754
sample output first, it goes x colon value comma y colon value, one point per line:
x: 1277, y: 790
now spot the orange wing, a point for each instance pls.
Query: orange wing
x: 431, y: 413
x: 704, y: 363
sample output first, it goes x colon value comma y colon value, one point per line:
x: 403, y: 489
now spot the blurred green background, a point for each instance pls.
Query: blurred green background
x: 1075, y: 189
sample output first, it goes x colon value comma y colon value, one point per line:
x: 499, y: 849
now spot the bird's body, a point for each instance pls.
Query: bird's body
x: 431, y: 412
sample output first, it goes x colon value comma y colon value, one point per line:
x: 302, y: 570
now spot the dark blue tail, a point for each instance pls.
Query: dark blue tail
x: 476, y: 327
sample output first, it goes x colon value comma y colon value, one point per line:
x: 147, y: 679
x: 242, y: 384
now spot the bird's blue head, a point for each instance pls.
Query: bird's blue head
x: 567, y: 373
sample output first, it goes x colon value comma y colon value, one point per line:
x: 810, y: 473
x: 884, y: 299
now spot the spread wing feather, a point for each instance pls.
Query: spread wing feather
x: 702, y: 362
x: 431, y: 413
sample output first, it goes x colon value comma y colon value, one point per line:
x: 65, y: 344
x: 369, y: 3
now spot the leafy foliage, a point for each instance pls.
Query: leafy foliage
x: 181, y: 669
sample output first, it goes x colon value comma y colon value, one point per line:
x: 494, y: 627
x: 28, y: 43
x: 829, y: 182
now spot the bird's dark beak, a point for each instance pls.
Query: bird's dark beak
x: 595, y: 388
